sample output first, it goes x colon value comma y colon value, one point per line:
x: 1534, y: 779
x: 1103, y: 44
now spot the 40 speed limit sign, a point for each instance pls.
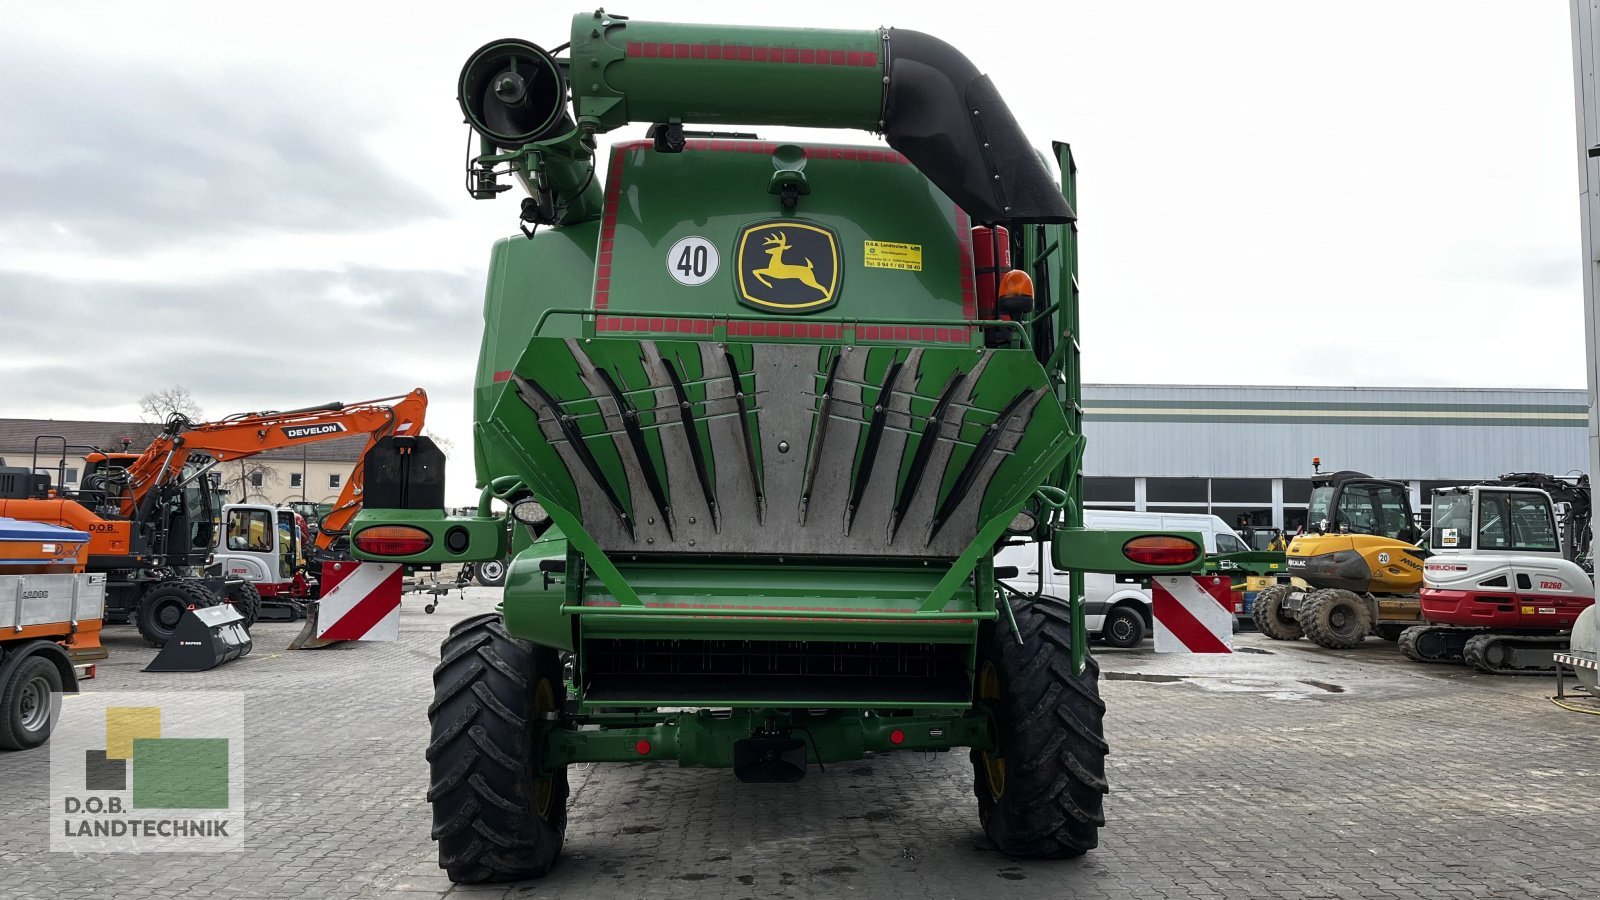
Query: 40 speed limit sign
x: 692, y: 261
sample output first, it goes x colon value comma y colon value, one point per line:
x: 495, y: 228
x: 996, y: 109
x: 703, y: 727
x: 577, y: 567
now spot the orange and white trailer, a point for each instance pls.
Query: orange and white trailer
x: 50, y: 616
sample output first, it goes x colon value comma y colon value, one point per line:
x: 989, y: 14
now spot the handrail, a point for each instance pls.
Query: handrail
x: 759, y: 613
x: 588, y: 312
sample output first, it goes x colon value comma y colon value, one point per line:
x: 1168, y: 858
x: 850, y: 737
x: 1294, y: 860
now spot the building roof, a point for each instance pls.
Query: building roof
x: 1408, y: 433
x: 17, y: 440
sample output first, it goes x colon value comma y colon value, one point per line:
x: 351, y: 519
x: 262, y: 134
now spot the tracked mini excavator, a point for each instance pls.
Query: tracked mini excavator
x: 1355, y: 571
x: 1509, y: 574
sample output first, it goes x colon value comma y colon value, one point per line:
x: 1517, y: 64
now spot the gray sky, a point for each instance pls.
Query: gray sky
x: 264, y: 203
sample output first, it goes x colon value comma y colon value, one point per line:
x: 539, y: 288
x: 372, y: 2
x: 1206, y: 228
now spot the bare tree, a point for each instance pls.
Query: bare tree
x: 446, y: 445
x: 247, y: 479
x: 157, y: 406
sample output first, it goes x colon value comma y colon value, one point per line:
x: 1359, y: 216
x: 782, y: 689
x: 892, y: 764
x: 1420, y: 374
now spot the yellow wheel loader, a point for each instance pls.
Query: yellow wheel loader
x: 1355, y: 571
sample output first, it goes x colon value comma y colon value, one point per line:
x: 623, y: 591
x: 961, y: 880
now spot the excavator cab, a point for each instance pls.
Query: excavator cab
x: 182, y: 532
x: 1495, y: 519
x: 1349, y: 502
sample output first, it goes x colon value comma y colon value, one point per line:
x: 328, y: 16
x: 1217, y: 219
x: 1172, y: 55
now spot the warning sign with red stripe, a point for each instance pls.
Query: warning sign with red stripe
x: 360, y: 601
x: 1193, y: 613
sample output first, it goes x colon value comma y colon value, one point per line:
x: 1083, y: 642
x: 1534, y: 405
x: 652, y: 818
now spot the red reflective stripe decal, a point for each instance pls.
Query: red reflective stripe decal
x: 821, y: 56
x: 1184, y: 626
x: 369, y: 611
x: 787, y: 329
x: 608, y: 226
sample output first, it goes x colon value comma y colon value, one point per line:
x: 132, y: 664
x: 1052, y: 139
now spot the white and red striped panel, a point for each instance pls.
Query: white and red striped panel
x: 1193, y: 613
x: 360, y: 601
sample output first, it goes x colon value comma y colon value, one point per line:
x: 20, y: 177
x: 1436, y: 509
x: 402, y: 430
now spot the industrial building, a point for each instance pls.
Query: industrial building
x: 1248, y: 450
x: 1176, y: 448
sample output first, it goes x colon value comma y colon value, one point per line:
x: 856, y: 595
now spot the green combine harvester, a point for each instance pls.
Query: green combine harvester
x: 762, y: 412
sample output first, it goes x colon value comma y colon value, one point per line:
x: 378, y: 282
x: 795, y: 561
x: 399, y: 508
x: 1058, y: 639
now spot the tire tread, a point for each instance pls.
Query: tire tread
x: 1052, y: 806
x: 480, y: 756
x: 1314, y: 618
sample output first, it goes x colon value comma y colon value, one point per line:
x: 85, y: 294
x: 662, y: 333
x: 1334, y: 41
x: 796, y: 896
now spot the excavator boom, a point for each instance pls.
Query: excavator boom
x: 249, y: 434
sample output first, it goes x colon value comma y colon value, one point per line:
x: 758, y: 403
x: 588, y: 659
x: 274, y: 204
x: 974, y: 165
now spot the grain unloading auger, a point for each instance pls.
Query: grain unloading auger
x: 764, y: 411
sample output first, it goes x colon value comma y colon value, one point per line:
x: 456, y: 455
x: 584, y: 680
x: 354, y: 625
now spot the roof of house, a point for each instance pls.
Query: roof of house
x: 17, y: 440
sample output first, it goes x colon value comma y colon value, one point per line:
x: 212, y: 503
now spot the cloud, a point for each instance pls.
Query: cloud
x: 1522, y: 267
x: 270, y: 339
x: 112, y: 158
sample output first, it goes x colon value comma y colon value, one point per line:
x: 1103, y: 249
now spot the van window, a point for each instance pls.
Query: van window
x: 1110, y: 520
x: 1227, y: 542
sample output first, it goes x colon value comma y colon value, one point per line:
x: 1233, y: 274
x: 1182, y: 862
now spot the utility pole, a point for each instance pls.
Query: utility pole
x: 1585, y: 42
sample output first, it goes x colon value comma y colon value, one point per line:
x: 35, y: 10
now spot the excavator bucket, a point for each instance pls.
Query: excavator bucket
x: 205, y: 638
x: 307, y: 638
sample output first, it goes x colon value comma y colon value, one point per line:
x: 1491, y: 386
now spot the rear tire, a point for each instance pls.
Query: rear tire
x: 491, y: 573
x: 26, y: 706
x: 1269, y: 618
x: 493, y: 818
x: 164, y: 604
x: 1123, y: 628
x: 1040, y: 795
x: 1335, y: 619
x: 246, y: 601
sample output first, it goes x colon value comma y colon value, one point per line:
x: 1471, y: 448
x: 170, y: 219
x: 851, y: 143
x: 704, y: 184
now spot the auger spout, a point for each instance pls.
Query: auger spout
x: 926, y: 98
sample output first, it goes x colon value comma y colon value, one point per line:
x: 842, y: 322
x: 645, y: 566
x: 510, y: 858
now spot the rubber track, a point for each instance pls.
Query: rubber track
x: 1410, y: 638
x: 1273, y: 626
x: 246, y: 600
x: 198, y: 595
x: 1477, y: 649
x: 481, y: 786
x: 1053, y: 740
x: 1311, y: 619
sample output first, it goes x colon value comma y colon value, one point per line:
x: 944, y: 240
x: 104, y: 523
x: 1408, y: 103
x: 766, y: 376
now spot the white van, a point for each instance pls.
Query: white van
x: 1115, y: 607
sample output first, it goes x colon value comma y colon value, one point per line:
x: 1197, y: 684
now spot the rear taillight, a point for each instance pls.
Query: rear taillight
x: 393, y: 540
x: 1161, y: 550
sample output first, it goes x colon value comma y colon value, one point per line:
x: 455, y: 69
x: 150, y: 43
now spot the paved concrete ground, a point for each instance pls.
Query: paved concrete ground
x: 1289, y: 772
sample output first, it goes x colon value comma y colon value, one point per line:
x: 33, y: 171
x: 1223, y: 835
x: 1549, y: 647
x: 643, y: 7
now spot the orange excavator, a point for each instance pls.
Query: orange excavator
x: 153, y: 517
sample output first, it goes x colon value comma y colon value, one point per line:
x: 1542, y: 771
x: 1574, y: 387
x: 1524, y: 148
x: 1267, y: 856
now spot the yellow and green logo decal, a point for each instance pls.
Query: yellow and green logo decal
x: 788, y: 266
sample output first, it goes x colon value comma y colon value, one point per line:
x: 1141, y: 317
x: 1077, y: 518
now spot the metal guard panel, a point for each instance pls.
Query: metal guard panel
x: 824, y: 450
x: 738, y: 600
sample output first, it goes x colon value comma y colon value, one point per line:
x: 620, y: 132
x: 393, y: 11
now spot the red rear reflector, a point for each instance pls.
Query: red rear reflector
x: 642, y: 748
x: 1161, y: 550
x: 897, y: 736
x: 393, y: 540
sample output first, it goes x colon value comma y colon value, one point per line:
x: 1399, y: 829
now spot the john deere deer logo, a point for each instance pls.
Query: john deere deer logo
x: 788, y: 266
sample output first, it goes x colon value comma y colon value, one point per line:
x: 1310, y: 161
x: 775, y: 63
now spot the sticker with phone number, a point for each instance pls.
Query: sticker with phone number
x: 893, y: 255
